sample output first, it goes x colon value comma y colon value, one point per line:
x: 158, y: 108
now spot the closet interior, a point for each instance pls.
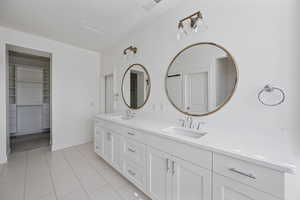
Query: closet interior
x: 29, y: 101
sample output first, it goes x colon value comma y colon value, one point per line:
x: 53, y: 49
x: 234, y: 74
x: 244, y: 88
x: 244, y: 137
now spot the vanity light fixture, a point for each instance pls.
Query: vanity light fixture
x: 129, y: 51
x: 194, y: 22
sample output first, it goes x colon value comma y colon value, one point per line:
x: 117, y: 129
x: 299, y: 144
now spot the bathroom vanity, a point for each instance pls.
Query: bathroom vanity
x: 170, y: 161
x: 168, y: 166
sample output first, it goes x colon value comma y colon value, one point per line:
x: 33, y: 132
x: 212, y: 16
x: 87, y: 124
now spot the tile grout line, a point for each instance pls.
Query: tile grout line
x: 78, y: 179
x: 108, y: 183
x: 52, y: 179
x: 25, y: 175
x: 89, y: 163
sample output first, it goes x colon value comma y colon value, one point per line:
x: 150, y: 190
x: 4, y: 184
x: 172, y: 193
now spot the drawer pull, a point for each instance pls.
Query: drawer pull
x: 131, y: 173
x: 108, y: 136
x: 131, y: 150
x: 167, y: 164
x: 173, y: 167
x: 242, y: 173
x: 130, y: 133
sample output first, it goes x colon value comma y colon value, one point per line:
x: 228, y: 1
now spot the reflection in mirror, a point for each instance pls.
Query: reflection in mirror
x: 136, y: 86
x: 201, y: 79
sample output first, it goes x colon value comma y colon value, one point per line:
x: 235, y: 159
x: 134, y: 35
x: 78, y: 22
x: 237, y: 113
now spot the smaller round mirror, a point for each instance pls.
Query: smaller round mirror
x: 201, y: 79
x: 136, y: 86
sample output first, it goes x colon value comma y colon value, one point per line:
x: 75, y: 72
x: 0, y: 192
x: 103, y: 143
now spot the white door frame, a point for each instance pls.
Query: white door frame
x: 210, y: 85
x: 105, y: 77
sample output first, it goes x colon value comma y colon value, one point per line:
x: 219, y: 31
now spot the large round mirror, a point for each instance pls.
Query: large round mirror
x: 136, y: 86
x: 201, y: 79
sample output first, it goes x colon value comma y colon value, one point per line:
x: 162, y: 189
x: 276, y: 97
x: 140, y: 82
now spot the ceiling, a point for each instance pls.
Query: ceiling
x: 89, y: 24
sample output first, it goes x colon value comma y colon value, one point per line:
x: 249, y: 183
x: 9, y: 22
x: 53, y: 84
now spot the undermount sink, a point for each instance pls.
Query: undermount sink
x: 186, y: 132
x: 120, y: 117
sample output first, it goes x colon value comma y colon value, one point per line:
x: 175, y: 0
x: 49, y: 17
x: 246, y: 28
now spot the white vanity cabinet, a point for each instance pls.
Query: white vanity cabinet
x: 167, y: 169
x: 226, y: 188
x: 118, y: 142
x: 159, y: 181
x: 134, y: 165
x: 98, y: 140
x: 171, y: 178
x: 190, y: 181
x: 108, y: 143
x: 109, y: 146
x: 113, y: 145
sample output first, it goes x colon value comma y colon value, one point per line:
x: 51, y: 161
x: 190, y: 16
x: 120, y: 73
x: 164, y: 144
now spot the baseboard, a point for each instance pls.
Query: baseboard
x: 60, y: 147
x: 31, y: 132
x: 3, y: 160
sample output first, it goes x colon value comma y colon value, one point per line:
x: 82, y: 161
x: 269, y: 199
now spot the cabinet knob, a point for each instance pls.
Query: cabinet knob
x: 173, y: 167
x: 131, y: 150
x: 167, y: 164
x: 131, y: 173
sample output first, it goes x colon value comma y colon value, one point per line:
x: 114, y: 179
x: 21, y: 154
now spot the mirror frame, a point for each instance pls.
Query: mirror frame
x: 227, y: 99
x: 148, y: 95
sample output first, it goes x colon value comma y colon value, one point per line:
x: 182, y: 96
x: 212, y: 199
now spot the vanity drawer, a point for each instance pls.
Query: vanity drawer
x: 133, y: 134
x: 135, y: 173
x: 259, y: 177
x: 200, y: 157
x: 100, y: 123
x: 135, y: 151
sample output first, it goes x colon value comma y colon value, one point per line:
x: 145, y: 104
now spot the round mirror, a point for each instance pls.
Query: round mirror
x: 201, y: 79
x: 136, y: 86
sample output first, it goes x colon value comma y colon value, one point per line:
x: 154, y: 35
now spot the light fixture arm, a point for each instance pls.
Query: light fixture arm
x: 131, y: 48
x: 193, y: 18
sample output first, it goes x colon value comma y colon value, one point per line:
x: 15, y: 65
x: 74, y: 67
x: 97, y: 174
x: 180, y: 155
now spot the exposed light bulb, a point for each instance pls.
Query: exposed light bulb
x: 178, y: 36
x: 180, y: 31
x: 200, y: 25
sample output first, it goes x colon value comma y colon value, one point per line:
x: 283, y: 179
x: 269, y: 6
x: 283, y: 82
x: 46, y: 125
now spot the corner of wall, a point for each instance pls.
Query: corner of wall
x: 3, y: 159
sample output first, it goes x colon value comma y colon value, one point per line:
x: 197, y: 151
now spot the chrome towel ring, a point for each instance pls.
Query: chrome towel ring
x: 269, y: 89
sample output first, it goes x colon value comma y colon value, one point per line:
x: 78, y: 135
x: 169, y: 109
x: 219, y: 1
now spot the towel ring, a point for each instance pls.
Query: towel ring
x: 269, y: 88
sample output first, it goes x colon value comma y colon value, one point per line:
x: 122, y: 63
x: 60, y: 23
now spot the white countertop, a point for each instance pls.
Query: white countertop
x: 262, y: 149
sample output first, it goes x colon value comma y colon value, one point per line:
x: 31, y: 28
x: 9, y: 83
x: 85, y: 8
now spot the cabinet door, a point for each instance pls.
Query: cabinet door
x: 228, y: 189
x: 135, y: 173
x: 190, y: 181
x: 158, y: 175
x: 118, y: 144
x: 98, y: 140
x: 108, y: 141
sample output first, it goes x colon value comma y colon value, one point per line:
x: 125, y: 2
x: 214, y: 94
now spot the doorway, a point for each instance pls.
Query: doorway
x: 109, y: 93
x: 136, y: 88
x: 29, y: 99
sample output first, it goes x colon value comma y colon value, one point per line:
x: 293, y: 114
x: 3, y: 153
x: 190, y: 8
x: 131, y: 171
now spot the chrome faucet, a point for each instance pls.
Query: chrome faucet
x: 187, y: 122
x: 200, y: 125
x: 190, y: 121
x: 129, y: 114
x: 182, y: 121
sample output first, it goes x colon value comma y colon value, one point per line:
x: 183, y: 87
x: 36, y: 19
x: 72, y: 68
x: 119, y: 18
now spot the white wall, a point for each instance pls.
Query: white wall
x: 262, y: 36
x: 75, y: 98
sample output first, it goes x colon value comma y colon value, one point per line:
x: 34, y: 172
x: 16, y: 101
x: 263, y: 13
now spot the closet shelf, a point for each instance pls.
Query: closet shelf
x: 20, y: 105
x: 36, y: 82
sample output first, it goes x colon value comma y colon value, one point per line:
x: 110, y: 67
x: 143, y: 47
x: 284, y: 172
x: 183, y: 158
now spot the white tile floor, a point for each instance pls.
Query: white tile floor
x: 76, y: 173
